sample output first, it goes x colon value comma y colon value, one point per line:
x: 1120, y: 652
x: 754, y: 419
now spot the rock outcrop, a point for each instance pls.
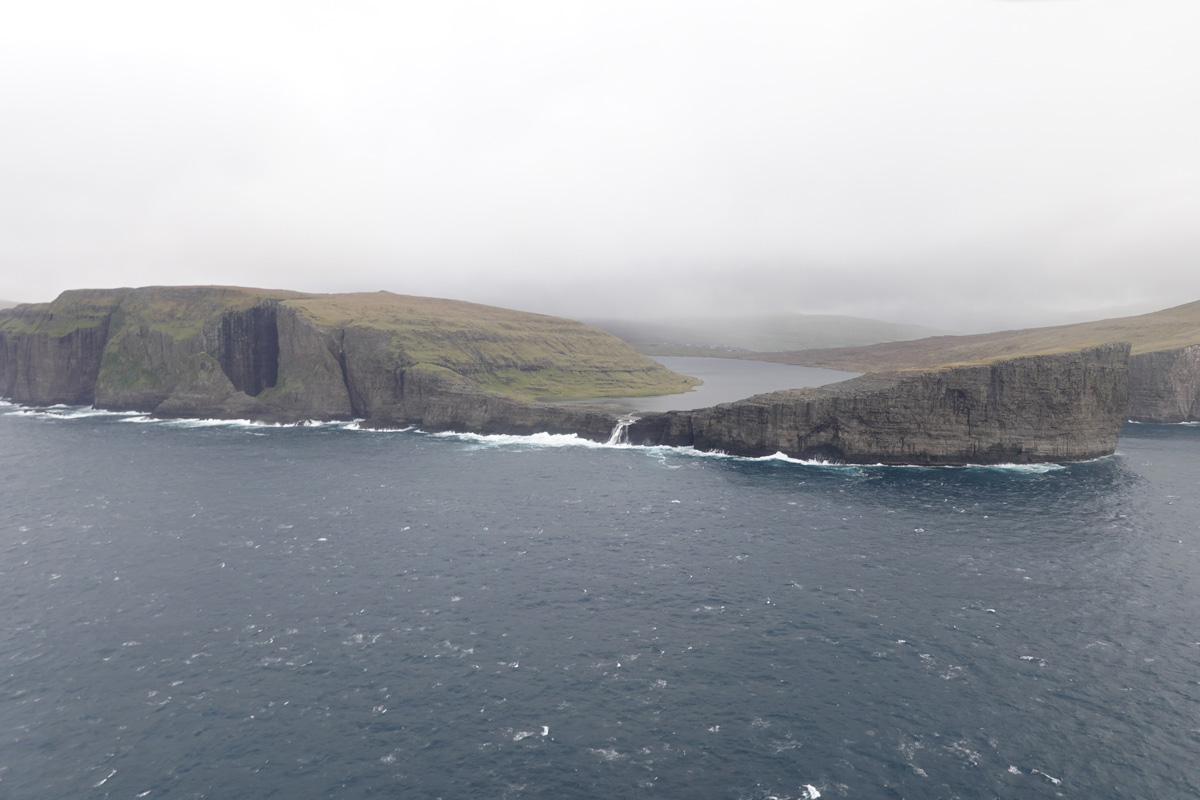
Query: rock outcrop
x: 1062, y: 407
x: 1164, y: 386
x: 392, y: 361
x: 56, y: 357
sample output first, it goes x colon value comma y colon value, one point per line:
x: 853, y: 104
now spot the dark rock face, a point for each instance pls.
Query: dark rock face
x: 296, y: 374
x: 141, y: 367
x: 1064, y: 407
x: 42, y: 368
x: 249, y: 348
x: 438, y: 400
x: 374, y: 377
x: 1164, y: 386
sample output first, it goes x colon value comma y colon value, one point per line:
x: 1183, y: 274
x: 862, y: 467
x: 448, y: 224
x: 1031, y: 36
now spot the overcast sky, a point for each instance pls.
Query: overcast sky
x: 969, y: 164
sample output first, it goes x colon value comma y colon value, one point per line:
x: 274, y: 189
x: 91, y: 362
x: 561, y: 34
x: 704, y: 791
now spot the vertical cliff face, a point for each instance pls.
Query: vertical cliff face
x: 262, y: 363
x: 45, y: 369
x: 1062, y: 407
x: 248, y: 348
x: 1164, y: 386
x: 374, y: 374
x: 53, y: 355
x: 142, y: 366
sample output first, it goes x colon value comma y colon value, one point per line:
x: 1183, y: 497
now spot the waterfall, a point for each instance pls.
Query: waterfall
x: 620, y: 432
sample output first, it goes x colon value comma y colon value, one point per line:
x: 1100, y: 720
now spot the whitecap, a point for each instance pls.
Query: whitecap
x: 1051, y: 778
x: 529, y: 440
x: 1032, y: 469
x: 206, y: 422
x: 84, y: 412
x: 607, y: 753
x: 539, y: 440
x: 356, y: 425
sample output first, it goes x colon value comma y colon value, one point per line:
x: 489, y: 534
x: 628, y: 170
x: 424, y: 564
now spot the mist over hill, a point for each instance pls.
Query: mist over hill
x: 734, y: 336
x: 1168, y: 329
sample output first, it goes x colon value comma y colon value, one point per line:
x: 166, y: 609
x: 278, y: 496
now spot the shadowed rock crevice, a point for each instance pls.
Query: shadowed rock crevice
x: 248, y: 348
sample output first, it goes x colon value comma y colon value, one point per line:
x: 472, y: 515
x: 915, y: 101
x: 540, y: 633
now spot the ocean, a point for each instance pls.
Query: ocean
x: 194, y: 609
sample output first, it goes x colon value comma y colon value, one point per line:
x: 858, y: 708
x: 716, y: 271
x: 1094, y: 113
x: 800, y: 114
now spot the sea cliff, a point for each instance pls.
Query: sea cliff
x: 1164, y: 365
x: 1061, y: 407
x: 1164, y: 386
x: 394, y: 361
x: 226, y: 352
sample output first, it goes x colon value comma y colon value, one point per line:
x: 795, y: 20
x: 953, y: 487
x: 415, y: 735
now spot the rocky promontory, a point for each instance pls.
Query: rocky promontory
x: 1164, y: 365
x: 393, y: 361
x: 1061, y: 407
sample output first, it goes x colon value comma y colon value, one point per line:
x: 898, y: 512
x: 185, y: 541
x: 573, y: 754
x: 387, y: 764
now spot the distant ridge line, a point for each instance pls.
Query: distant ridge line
x: 1168, y: 329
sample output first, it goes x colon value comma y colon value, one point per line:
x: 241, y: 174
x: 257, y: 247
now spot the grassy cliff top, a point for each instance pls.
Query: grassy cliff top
x: 529, y: 356
x: 181, y: 311
x: 1161, y: 330
x: 78, y: 308
x: 524, y: 355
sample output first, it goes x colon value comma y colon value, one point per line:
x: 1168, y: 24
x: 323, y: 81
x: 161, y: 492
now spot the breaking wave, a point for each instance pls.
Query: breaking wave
x: 526, y: 441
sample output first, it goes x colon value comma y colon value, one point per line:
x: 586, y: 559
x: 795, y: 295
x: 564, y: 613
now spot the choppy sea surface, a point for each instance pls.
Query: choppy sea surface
x: 204, y: 610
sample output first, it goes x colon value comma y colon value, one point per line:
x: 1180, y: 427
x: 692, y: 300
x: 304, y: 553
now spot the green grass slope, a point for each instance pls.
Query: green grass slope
x: 524, y: 355
x: 78, y: 308
x: 1161, y: 330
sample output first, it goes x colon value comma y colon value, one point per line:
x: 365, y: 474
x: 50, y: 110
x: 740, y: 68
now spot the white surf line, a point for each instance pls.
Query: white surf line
x: 1050, y: 778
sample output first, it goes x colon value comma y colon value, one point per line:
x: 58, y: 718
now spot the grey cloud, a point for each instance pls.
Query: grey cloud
x: 947, y: 163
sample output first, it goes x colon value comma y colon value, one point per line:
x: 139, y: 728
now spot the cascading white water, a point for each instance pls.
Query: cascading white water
x: 620, y: 433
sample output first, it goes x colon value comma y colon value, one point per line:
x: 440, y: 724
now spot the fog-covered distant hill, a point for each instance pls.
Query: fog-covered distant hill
x: 6, y: 304
x: 768, y: 333
x: 1166, y: 330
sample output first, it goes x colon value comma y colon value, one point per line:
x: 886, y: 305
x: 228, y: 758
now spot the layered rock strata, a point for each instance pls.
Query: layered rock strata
x: 1164, y: 386
x: 1062, y: 407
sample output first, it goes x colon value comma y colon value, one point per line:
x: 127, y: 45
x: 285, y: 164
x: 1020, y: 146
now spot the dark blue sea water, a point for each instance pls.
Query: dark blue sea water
x: 230, y: 611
